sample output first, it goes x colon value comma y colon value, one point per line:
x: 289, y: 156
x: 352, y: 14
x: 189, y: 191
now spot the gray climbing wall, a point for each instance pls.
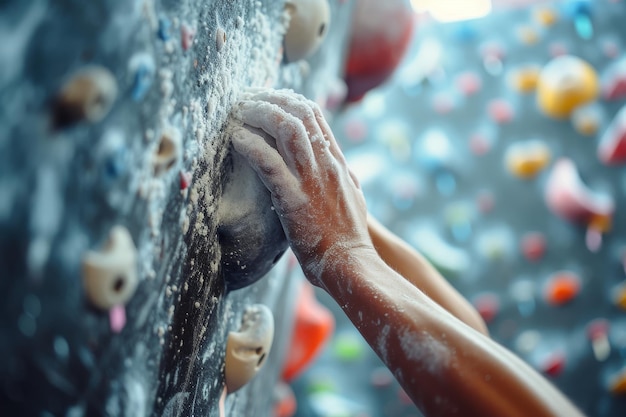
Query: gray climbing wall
x: 147, y: 151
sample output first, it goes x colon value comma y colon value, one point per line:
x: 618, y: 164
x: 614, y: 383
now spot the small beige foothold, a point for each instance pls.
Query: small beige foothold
x: 307, y: 28
x: 110, y: 274
x: 247, y: 349
x: 87, y: 96
x: 168, y: 151
x: 220, y: 39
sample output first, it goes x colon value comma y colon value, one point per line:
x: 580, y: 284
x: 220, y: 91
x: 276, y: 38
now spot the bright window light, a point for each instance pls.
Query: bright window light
x: 453, y: 10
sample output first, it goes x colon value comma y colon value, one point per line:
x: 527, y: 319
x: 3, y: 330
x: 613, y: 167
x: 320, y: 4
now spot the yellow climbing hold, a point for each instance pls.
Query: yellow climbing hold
x: 619, y: 296
x: 524, y: 80
x: 526, y: 159
x: 545, y: 16
x: 566, y: 83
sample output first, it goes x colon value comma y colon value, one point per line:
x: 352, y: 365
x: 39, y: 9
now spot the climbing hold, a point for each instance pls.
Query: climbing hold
x: 117, y: 318
x: 376, y: 47
x: 142, y: 68
x: 612, y: 147
x: 565, y: 83
x: 527, y: 341
x: 168, y: 152
x: 285, y: 403
x: 313, y: 325
x: 164, y: 28
x: 619, y: 296
x: 114, y: 155
x: 468, y: 83
x: 445, y: 257
x: 435, y: 152
x: 581, y: 13
x: 617, y: 385
x: 525, y: 79
x: 187, y: 35
x: 500, y: 111
x: 587, y: 119
x: 249, y: 231
x: 533, y: 246
x: 614, y: 81
x: 487, y: 305
x: 220, y: 39
x: 523, y: 293
x: 545, y: 16
x: 554, y: 364
x: 527, y: 35
x: 598, y: 334
x: 308, y: 25
x: 185, y: 180
x: 110, y: 274
x: 526, y: 159
x: 569, y: 198
x: 247, y: 349
x: 561, y: 288
x: 86, y: 96
x: 348, y: 346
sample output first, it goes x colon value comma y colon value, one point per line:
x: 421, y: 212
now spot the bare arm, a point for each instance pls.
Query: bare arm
x: 409, y: 263
x: 446, y: 367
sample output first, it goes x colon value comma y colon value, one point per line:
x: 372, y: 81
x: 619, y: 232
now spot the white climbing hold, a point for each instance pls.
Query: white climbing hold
x: 110, y: 274
x: 247, y: 349
x: 307, y: 28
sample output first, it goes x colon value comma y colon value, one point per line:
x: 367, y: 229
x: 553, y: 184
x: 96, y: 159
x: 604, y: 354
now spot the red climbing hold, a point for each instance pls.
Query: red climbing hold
x: 313, y: 326
x: 562, y: 287
x: 376, y: 45
x: 533, y: 246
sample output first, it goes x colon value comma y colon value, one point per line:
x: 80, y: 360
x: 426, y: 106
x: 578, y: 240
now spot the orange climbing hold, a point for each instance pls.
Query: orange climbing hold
x: 313, y: 326
x: 618, y: 383
x: 562, y: 287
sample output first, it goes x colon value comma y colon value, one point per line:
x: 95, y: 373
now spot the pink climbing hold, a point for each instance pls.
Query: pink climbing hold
x: 469, y: 83
x: 612, y: 148
x: 187, y: 35
x: 488, y: 306
x: 568, y: 197
x: 500, y: 111
x: 117, y: 318
x: 533, y: 246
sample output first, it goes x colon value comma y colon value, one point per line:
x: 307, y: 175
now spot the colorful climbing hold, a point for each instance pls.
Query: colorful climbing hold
x: 468, y: 83
x: 501, y: 111
x: 612, y: 147
x: 525, y: 79
x: 142, y: 68
x: 187, y: 36
x: 619, y: 296
x: 561, y: 288
x: 312, y: 327
x: 569, y: 198
x: 348, y: 346
x: 598, y: 334
x: 565, y: 83
x: 527, y: 158
x: 614, y: 81
x: 487, y: 305
x: 587, y: 119
x: 617, y: 385
x: 554, y: 364
x: 545, y: 16
x: 533, y: 246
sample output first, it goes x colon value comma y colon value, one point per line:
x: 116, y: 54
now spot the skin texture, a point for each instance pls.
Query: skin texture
x: 447, y: 367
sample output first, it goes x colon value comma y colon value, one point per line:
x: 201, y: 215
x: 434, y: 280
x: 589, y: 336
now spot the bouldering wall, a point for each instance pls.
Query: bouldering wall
x: 113, y: 159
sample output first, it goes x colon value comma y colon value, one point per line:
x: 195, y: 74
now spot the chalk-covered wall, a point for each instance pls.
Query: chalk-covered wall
x: 138, y: 146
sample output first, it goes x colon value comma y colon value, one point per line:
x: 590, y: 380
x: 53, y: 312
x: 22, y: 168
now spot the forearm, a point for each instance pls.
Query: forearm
x: 409, y: 263
x: 446, y: 367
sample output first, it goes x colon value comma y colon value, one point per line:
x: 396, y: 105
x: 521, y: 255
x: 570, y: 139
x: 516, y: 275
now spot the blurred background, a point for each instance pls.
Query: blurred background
x: 497, y: 149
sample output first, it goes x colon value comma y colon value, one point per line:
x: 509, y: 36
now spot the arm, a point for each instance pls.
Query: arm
x: 445, y: 366
x: 409, y: 263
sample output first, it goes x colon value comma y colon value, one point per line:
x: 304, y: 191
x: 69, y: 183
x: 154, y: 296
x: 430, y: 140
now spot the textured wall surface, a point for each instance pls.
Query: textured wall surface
x: 155, y: 163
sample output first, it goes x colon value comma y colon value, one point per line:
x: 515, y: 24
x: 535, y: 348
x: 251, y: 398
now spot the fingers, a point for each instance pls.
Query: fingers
x: 269, y: 165
x: 290, y: 134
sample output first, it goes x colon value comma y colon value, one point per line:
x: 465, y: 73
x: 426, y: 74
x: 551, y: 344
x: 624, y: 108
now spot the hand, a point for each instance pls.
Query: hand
x: 318, y: 200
